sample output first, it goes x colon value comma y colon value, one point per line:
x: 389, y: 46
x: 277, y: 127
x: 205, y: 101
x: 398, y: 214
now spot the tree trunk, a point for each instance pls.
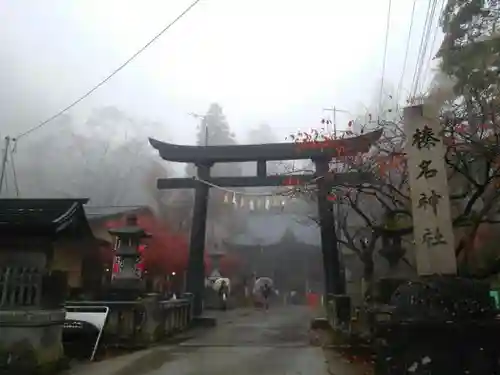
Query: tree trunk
x: 368, y: 273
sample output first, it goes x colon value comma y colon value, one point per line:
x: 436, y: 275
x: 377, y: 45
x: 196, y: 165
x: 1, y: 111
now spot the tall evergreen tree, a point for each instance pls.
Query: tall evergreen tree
x: 470, y: 51
x: 214, y: 130
x: 260, y: 135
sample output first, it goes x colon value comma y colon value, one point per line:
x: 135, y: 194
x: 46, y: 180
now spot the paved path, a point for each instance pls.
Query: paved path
x: 245, y: 342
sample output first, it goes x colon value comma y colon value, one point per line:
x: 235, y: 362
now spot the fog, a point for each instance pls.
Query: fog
x: 264, y: 62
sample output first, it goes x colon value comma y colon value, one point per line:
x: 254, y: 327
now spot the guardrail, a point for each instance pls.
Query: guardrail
x: 122, y: 324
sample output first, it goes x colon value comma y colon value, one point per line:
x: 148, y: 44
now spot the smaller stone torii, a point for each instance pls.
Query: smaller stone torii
x: 204, y: 157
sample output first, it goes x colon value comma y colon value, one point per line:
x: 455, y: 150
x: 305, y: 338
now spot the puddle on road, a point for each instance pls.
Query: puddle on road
x: 149, y: 362
x: 154, y: 360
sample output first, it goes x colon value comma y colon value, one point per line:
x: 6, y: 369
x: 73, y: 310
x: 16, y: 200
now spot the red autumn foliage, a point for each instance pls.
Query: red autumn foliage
x: 321, y: 139
x: 230, y: 264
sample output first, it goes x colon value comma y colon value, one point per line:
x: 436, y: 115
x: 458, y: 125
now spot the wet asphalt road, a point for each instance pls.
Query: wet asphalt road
x: 245, y: 342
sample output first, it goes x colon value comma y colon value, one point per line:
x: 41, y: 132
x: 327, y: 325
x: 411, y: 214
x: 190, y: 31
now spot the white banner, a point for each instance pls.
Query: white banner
x: 253, y: 203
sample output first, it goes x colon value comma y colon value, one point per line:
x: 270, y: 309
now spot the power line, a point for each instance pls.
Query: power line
x: 420, y: 47
x: 419, y: 56
x: 387, y: 27
x: 400, y: 85
x: 423, y: 45
x: 426, y: 45
x: 105, y: 80
x: 426, y: 71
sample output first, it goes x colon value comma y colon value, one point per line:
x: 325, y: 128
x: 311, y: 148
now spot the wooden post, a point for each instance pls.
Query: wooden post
x: 196, y: 265
x: 432, y: 222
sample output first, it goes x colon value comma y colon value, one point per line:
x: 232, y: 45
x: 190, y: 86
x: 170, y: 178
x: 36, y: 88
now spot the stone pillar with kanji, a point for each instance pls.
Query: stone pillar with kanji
x: 127, y: 271
x: 432, y: 222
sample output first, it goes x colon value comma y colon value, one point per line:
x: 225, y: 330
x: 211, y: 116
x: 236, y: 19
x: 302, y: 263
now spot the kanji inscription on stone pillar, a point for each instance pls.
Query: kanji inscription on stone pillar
x: 432, y: 222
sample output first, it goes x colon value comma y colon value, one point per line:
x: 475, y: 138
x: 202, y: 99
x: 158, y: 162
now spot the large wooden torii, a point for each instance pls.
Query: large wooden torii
x: 204, y: 157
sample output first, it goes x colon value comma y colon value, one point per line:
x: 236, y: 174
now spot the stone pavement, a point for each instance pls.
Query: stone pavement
x: 245, y: 342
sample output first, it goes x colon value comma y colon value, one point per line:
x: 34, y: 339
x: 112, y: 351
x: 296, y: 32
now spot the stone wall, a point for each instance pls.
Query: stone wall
x: 31, y: 341
x: 140, y: 323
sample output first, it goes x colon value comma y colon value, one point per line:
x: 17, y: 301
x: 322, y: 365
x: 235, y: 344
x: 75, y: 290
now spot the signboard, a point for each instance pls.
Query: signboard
x: 432, y: 223
x: 94, y: 315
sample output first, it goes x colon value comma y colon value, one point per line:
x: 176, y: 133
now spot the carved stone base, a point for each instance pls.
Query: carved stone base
x: 339, y: 311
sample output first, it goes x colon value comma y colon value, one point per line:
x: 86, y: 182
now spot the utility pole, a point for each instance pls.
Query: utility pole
x: 202, y: 117
x: 334, y: 110
x: 4, y: 161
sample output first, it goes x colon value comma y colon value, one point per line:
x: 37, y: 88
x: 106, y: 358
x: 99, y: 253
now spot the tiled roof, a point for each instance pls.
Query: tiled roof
x: 100, y: 213
x: 39, y: 215
x: 269, y: 229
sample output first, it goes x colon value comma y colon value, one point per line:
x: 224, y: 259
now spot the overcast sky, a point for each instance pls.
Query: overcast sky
x: 274, y: 61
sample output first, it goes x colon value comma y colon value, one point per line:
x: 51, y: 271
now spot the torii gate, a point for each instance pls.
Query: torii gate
x: 204, y: 157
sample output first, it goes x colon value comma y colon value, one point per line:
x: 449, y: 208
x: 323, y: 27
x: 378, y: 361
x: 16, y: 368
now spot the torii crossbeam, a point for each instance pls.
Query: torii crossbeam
x: 204, y: 157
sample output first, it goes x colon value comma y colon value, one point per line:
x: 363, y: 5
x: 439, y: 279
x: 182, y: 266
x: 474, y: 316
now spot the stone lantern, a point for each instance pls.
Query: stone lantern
x: 126, y: 275
x: 215, y: 258
x: 392, y: 249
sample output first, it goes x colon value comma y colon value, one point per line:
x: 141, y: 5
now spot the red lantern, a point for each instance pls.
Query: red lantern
x: 291, y: 181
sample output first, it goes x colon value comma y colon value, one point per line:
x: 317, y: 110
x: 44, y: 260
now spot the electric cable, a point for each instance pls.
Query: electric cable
x: 105, y: 80
x: 422, y: 42
x: 420, y: 47
x: 424, y: 49
x: 426, y: 71
x: 387, y: 27
x: 400, y: 85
